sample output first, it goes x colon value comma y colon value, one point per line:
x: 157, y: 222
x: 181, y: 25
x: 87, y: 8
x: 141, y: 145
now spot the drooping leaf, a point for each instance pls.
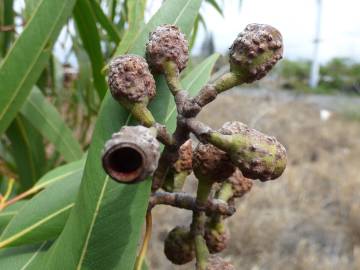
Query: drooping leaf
x: 20, y: 258
x: 86, y: 23
x: 26, y: 59
x: 7, y: 214
x: 135, y: 13
x: 194, y: 80
x: 105, y: 22
x: 8, y: 19
x: 46, y: 119
x: 27, y: 149
x: 104, y: 227
x: 216, y: 6
x: 44, y: 216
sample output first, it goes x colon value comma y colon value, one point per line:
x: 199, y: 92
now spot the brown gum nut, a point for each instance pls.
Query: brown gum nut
x: 240, y: 184
x: 129, y: 79
x: 211, y: 163
x: 184, y: 163
x: 167, y: 43
x: 178, y: 246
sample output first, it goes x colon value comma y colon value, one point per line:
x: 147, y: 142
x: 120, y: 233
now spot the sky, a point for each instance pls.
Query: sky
x: 340, y: 32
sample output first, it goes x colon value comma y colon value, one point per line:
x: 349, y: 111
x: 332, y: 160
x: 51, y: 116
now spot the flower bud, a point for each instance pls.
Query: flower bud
x: 255, y: 52
x: 167, y: 43
x: 216, y: 236
x: 131, y: 155
x: 179, y: 247
x: 130, y: 80
x: 240, y: 184
x: 218, y: 263
x: 211, y: 164
x: 257, y: 155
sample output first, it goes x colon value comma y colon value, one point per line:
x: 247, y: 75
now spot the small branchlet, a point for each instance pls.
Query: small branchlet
x: 223, y: 162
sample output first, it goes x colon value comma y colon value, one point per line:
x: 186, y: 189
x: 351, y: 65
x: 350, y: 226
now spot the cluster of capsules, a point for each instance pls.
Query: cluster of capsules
x: 224, y: 161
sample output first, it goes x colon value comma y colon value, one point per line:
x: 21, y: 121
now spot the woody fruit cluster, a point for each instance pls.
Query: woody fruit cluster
x: 224, y: 161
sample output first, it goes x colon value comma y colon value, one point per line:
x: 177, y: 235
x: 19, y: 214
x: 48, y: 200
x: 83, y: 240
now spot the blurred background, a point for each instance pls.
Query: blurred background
x: 307, y: 219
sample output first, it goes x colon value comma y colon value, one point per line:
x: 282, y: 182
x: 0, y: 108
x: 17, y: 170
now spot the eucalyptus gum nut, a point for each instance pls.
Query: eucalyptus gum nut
x: 130, y: 80
x: 167, y: 43
x: 218, y: 263
x: 184, y: 162
x: 179, y: 247
x: 240, y: 185
x: 211, y: 164
x: 255, y: 52
x: 257, y: 155
x: 131, y: 155
x: 216, y: 237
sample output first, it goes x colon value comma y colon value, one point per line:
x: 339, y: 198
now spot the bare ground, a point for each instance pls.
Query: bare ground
x: 307, y: 219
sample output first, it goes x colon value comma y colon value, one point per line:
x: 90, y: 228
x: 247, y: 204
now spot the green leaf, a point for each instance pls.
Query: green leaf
x: 28, y: 56
x: 44, y: 216
x: 41, y: 226
x: 20, y: 258
x: 8, y: 15
x: 136, y: 10
x: 104, y: 227
x: 46, y: 119
x: 86, y: 23
x: 105, y: 22
x: 7, y: 214
x: 216, y: 6
x: 27, y: 149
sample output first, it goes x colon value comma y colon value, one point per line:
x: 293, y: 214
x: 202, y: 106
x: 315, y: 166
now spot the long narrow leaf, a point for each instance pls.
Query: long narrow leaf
x: 45, y: 214
x: 105, y: 22
x: 46, y: 119
x: 104, y: 227
x: 28, y: 151
x: 86, y: 23
x: 49, y: 209
x: 20, y: 258
x: 28, y: 56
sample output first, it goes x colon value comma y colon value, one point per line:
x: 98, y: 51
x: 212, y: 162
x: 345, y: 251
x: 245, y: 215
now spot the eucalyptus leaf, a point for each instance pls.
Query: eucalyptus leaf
x: 46, y: 119
x: 104, y: 227
x: 20, y: 258
x: 28, y: 56
x: 86, y: 23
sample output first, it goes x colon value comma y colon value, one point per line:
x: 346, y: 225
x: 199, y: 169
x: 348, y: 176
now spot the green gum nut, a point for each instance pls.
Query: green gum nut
x: 255, y: 52
x: 257, y: 155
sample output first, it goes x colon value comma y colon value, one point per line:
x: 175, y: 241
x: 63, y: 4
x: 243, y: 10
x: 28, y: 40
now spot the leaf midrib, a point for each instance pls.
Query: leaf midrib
x: 16, y: 236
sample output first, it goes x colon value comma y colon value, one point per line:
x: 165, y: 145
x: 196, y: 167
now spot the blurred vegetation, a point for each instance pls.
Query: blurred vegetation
x: 337, y: 75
